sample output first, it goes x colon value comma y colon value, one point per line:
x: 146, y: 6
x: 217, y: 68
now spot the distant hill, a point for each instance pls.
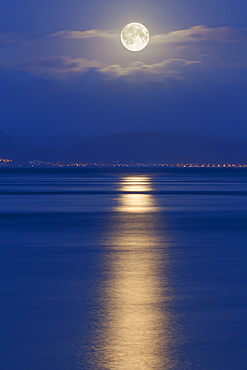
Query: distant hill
x: 55, y: 142
x: 6, y: 142
x: 153, y: 147
x: 21, y: 153
x: 143, y: 147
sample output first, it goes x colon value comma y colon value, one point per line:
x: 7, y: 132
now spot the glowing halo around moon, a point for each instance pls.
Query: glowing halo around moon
x: 135, y: 36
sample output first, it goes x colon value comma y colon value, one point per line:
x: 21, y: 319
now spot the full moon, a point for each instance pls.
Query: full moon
x: 135, y: 37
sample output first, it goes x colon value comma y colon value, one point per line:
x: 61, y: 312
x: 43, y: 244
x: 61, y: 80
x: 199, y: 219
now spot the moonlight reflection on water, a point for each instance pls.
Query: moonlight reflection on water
x: 135, y: 331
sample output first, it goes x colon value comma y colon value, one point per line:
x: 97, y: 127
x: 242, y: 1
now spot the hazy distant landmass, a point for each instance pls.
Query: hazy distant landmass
x: 56, y: 142
x: 153, y: 147
x: 21, y: 152
x: 142, y: 147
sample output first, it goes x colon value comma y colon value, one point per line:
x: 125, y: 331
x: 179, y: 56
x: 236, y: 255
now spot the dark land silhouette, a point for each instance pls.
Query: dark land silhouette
x: 142, y: 147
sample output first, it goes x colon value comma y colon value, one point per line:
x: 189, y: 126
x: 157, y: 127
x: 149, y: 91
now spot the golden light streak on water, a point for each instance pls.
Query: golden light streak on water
x: 137, y: 203
x: 136, y: 184
x: 140, y: 201
x: 135, y: 333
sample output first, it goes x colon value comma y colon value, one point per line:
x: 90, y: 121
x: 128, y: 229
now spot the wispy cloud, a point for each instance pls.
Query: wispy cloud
x: 8, y: 38
x: 83, y: 34
x: 65, y: 67
x: 54, y: 67
x: 203, y: 33
x: 192, y: 34
x: 185, y: 65
x: 234, y: 65
x: 166, y: 70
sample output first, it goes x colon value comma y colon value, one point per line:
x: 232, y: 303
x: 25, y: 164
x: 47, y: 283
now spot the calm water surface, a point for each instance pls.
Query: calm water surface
x: 123, y: 270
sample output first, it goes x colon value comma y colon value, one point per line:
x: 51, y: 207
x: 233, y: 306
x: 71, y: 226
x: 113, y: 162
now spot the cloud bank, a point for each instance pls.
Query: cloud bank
x: 202, y: 33
x: 53, y: 67
x: 171, y: 68
x: 65, y: 67
x: 192, y: 34
x: 83, y: 34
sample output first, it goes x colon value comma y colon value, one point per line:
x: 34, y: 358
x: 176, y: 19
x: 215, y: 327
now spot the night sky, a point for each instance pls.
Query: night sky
x: 63, y: 69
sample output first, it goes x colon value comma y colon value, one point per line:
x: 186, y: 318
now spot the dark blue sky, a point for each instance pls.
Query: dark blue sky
x: 63, y: 68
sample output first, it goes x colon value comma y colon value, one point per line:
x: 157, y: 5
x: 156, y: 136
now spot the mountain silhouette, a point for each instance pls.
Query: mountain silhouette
x: 155, y: 147
x: 55, y: 142
x: 142, y: 147
x: 21, y: 153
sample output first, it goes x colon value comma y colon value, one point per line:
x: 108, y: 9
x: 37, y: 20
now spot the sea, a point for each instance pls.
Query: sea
x: 123, y: 269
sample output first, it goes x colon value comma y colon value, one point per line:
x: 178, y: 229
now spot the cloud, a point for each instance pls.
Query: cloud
x: 63, y: 67
x: 181, y: 63
x: 235, y: 65
x: 54, y: 67
x: 7, y: 38
x: 83, y: 34
x: 192, y: 34
x: 166, y: 70
x: 210, y: 61
x: 202, y: 33
x: 170, y: 71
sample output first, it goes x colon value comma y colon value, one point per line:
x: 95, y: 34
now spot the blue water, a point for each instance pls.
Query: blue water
x: 120, y: 270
